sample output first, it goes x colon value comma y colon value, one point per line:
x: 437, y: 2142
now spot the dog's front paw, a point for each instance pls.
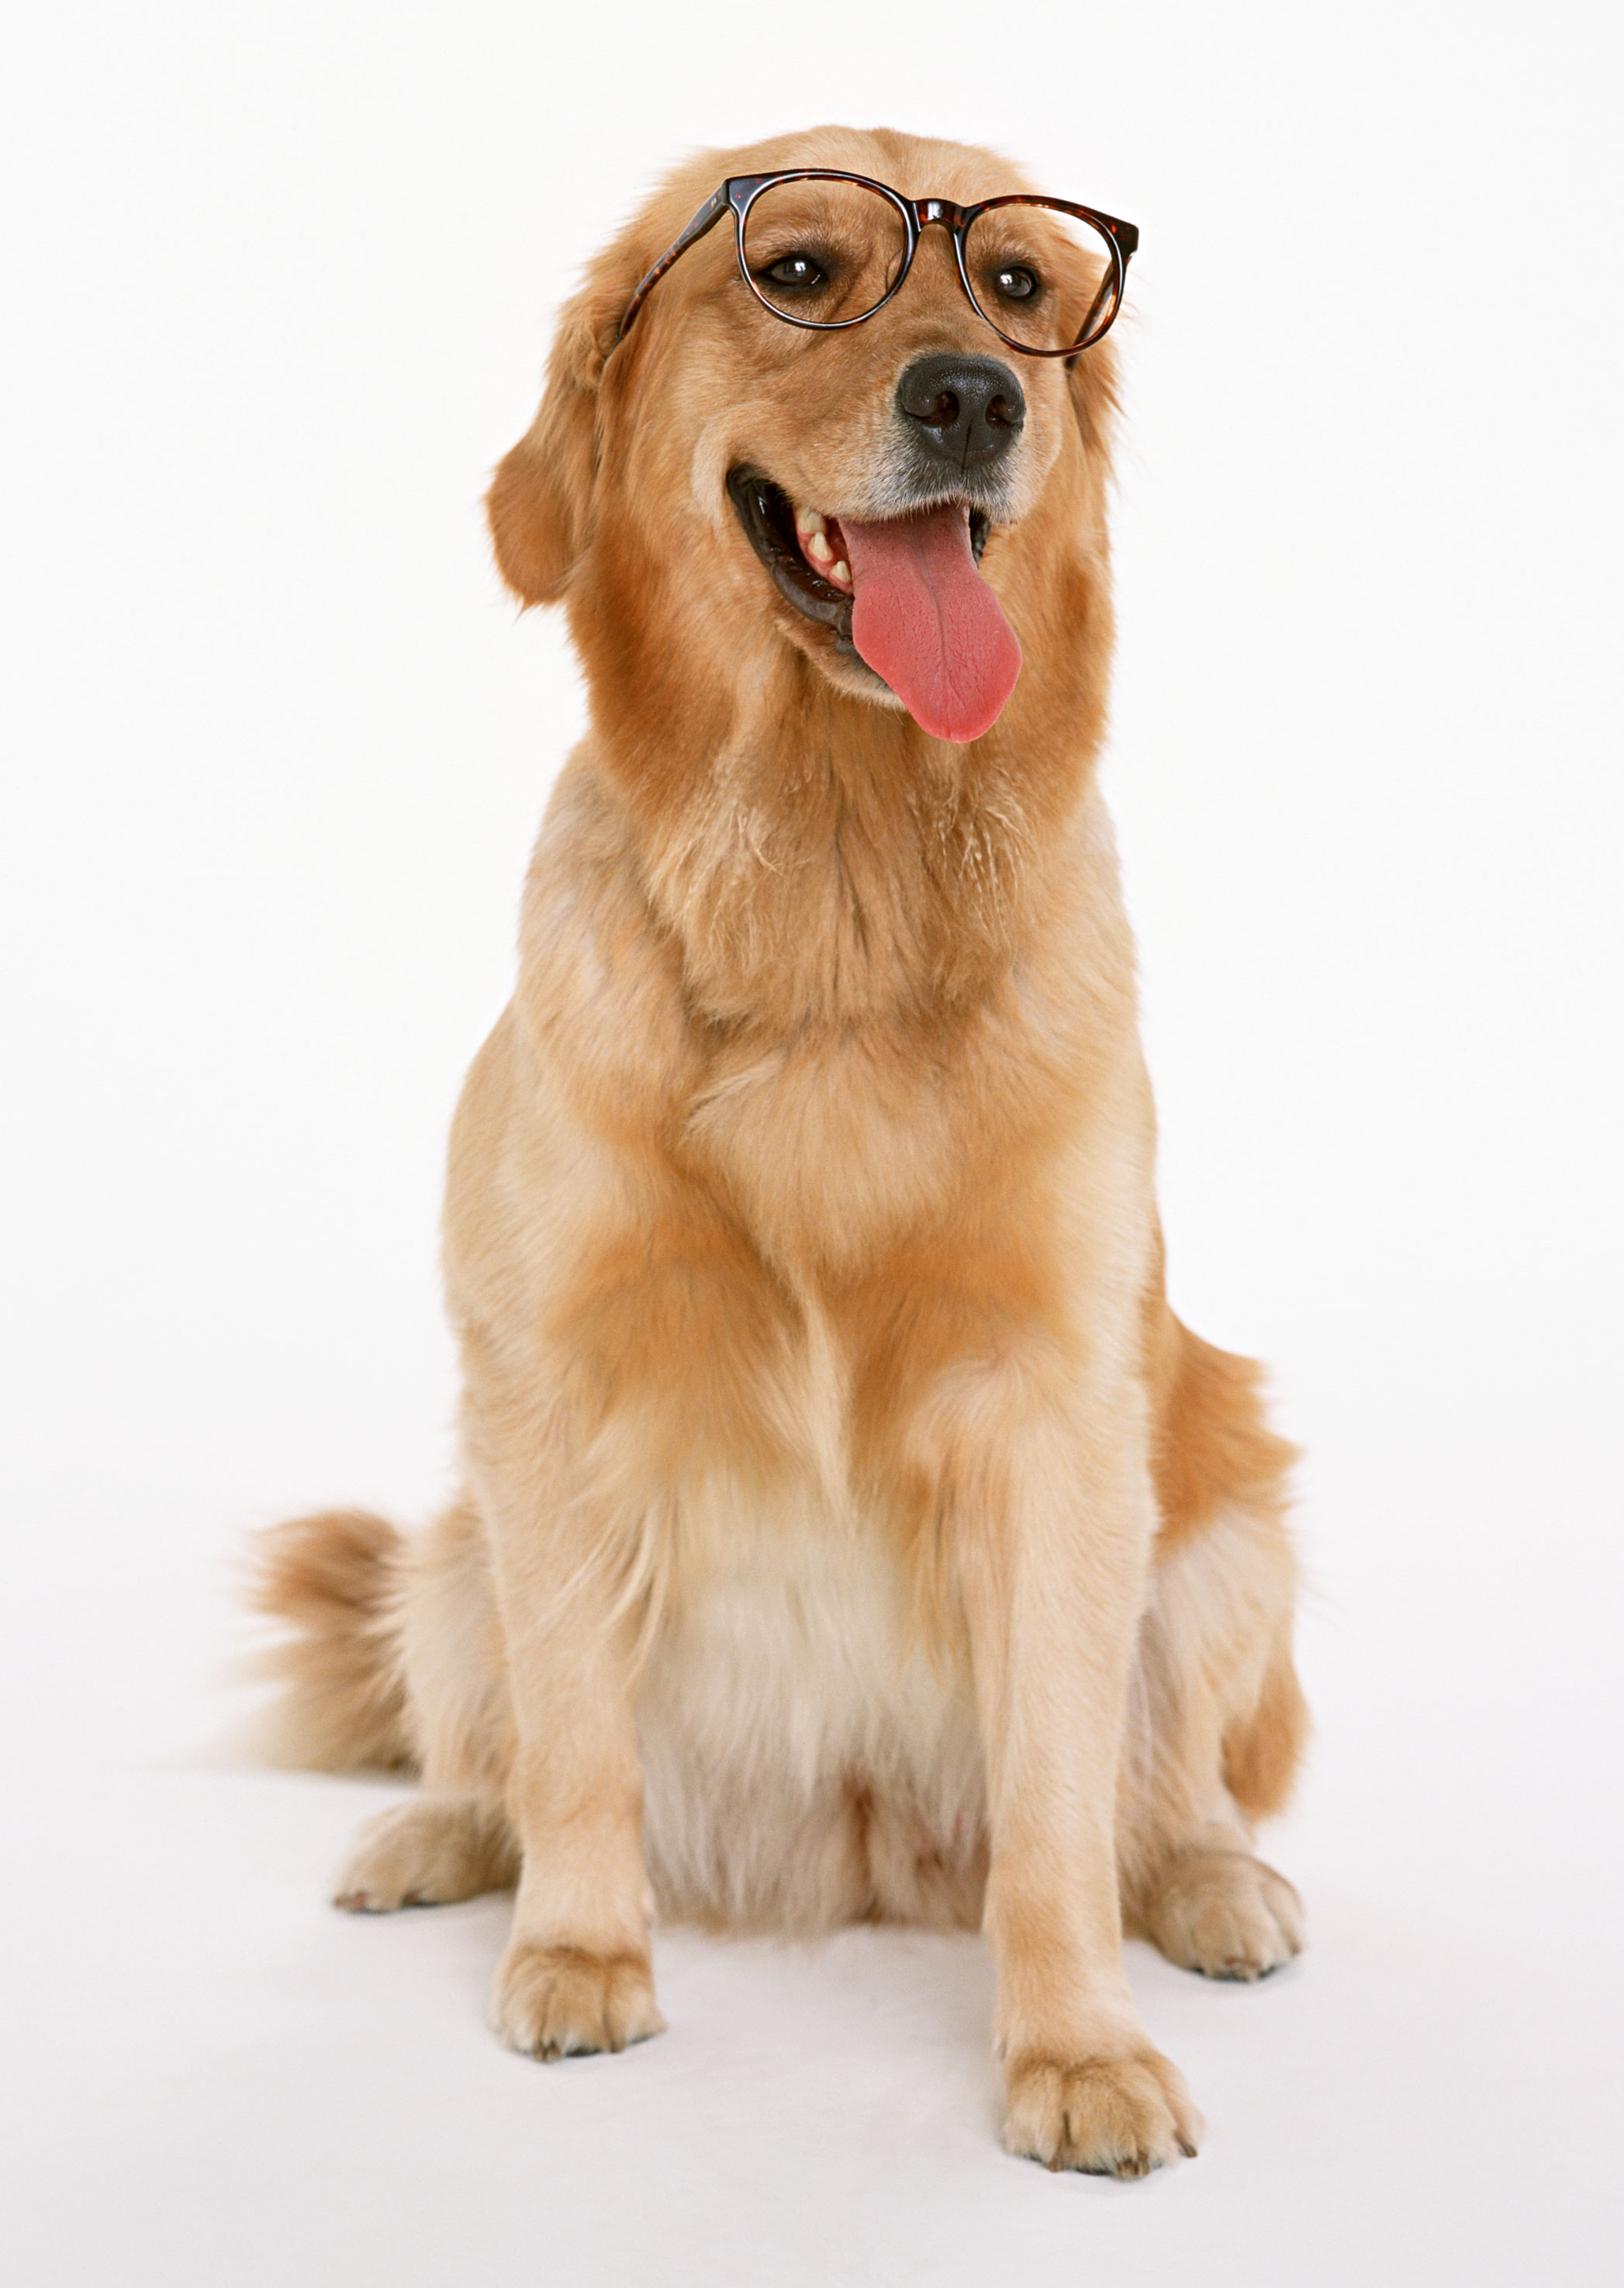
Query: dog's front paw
x: 561, y: 2001
x: 1110, y: 2117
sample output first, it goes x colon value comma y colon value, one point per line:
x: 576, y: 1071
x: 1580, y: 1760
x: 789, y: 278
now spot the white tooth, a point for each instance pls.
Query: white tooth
x: 807, y: 520
x: 817, y: 548
x: 841, y: 572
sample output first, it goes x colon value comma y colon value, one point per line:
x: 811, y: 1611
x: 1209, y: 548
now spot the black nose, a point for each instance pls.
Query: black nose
x: 965, y: 409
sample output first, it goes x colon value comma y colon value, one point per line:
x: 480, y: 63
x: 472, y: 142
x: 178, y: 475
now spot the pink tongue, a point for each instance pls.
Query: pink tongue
x: 925, y: 619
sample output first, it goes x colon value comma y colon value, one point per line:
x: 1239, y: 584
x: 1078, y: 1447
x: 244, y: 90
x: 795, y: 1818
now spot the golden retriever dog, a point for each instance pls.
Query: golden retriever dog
x: 848, y: 1528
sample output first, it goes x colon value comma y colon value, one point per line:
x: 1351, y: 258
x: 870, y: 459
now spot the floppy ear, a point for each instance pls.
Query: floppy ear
x: 1093, y: 377
x: 540, y: 503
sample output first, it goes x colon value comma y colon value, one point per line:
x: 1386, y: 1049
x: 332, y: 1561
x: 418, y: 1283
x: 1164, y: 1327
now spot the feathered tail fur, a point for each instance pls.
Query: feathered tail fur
x: 335, y: 1579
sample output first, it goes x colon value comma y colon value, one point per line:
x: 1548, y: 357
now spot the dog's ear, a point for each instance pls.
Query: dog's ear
x: 539, y: 504
x: 1093, y: 377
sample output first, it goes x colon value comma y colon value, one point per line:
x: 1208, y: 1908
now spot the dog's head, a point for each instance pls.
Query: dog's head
x: 892, y: 514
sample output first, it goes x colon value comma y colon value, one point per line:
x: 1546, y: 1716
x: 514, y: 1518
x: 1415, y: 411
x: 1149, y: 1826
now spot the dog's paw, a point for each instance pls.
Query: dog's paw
x: 1226, y: 1915
x: 560, y: 2001
x: 425, y: 1853
x: 1110, y: 2116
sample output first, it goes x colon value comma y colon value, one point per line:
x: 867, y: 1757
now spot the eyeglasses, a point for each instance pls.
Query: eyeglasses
x: 824, y: 249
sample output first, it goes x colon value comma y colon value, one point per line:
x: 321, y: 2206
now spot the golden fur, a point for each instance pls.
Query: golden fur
x: 849, y: 1527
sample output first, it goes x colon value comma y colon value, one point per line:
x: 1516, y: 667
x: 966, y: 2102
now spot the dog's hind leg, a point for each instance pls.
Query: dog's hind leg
x: 1216, y: 1720
x: 1213, y: 1683
x: 426, y: 1853
x: 453, y: 1839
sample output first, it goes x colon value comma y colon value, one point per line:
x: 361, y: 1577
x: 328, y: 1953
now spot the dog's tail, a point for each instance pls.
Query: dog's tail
x: 335, y: 1580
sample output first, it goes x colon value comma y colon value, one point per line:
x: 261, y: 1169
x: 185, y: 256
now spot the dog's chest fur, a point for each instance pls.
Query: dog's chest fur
x: 805, y: 1758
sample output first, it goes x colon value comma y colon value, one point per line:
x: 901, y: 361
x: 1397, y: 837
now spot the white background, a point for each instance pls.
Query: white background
x: 280, y: 285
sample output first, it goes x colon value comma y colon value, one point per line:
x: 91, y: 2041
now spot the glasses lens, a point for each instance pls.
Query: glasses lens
x: 1045, y: 279
x: 824, y: 252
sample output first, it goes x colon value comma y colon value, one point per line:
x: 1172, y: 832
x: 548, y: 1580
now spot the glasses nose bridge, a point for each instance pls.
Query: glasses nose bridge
x: 926, y: 212
x: 951, y: 217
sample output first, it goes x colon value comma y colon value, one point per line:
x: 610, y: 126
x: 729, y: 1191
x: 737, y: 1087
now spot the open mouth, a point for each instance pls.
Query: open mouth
x: 903, y: 594
x: 807, y: 551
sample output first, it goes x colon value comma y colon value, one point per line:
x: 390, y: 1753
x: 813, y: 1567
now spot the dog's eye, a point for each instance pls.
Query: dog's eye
x: 793, y: 272
x: 1015, y: 283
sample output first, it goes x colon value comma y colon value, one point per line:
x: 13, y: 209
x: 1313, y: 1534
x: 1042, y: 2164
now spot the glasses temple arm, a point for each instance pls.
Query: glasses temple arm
x: 705, y: 218
x: 1127, y: 242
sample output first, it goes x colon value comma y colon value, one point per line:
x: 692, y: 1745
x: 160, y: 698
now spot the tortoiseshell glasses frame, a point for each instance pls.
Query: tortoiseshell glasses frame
x: 738, y: 193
